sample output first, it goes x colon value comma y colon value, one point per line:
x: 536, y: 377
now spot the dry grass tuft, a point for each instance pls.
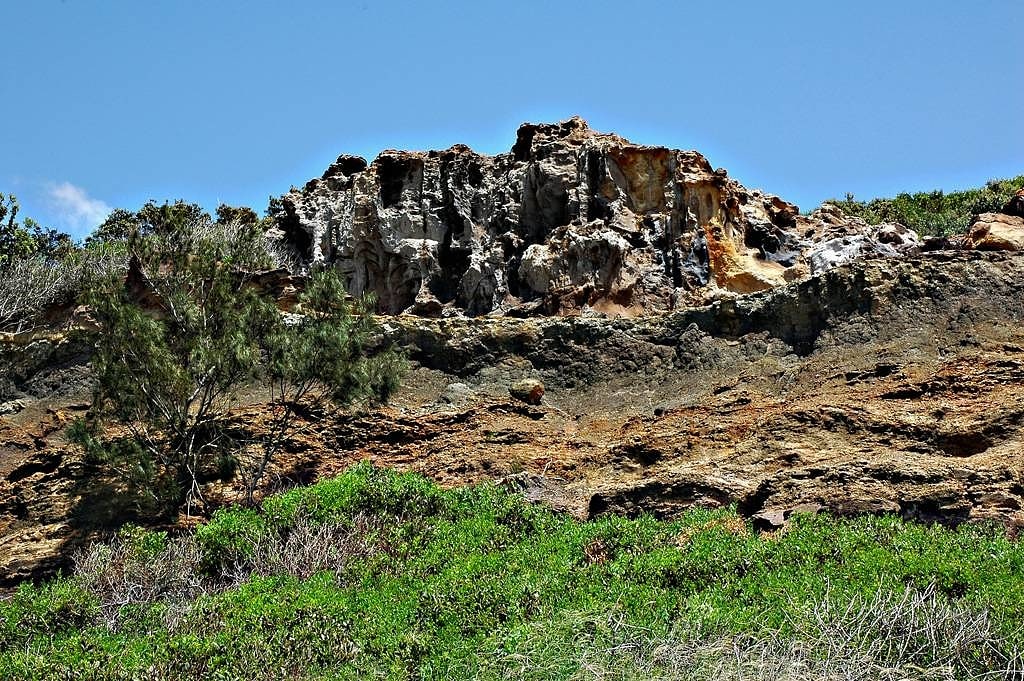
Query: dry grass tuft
x: 309, y: 548
x: 124, y: 577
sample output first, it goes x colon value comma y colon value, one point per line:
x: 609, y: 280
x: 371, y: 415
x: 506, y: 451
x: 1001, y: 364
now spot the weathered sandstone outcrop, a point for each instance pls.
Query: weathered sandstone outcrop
x: 570, y: 218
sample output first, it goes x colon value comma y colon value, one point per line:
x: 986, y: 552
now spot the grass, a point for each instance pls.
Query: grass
x: 380, y: 575
x: 934, y: 213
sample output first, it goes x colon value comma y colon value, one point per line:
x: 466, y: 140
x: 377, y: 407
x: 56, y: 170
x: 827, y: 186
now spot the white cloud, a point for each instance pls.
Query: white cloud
x: 76, y: 209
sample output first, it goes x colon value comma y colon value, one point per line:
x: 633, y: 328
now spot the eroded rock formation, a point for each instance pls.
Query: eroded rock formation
x: 568, y: 218
x: 886, y: 385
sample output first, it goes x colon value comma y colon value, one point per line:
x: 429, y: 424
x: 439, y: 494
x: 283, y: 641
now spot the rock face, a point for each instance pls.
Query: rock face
x: 568, y: 218
x: 885, y: 385
x: 838, y: 239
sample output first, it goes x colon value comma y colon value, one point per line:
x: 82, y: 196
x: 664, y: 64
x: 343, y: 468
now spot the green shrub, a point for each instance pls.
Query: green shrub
x: 59, y: 607
x: 934, y: 213
x: 231, y: 536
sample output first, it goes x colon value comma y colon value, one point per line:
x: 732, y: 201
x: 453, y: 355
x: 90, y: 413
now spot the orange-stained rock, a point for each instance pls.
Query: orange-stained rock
x: 996, y: 232
x: 528, y: 390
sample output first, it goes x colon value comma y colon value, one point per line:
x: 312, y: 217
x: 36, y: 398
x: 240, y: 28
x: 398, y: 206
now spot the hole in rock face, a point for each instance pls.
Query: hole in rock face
x: 453, y: 263
x: 545, y: 206
x: 695, y: 269
x: 675, y: 269
x: 598, y: 208
x: 516, y: 288
x: 524, y: 139
x: 553, y: 201
x: 395, y: 291
x: 963, y: 444
x: 289, y: 223
x: 762, y: 237
x: 391, y: 280
x: 773, y: 244
x: 392, y: 174
x: 474, y: 174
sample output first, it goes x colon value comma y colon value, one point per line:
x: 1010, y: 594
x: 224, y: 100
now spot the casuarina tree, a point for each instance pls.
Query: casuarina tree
x: 191, y: 332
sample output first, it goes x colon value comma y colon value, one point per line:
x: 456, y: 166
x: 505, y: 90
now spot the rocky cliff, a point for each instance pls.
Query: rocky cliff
x: 793, y: 361
x: 569, y: 219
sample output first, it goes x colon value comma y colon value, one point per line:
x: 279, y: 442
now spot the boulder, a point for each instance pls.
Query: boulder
x: 996, y: 232
x: 529, y: 390
x: 457, y: 394
x: 772, y: 519
x: 11, y: 407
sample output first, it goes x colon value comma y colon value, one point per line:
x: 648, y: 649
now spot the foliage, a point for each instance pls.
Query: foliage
x: 31, y: 284
x: 935, y: 213
x: 27, y: 238
x: 165, y: 221
x: 41, y: 267
x: 27, y: 286
x: 477, y: 583
x: 153, y: 219
x: 239, y: 215
x: 191, y: 329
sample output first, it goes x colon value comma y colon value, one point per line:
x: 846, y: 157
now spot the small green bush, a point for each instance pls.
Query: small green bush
x: 58, y: 608
x: 231, y: 535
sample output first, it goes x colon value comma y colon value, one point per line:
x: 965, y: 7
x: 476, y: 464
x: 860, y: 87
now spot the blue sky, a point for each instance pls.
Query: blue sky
x: 108, y: 103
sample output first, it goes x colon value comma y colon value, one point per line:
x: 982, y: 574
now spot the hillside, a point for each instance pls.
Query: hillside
x: 628, y: 338
x: 376, y: 575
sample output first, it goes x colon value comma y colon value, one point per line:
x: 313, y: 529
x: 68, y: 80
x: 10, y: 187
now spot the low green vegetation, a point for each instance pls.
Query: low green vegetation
x: 936, y: 213
x: 380, y: 575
